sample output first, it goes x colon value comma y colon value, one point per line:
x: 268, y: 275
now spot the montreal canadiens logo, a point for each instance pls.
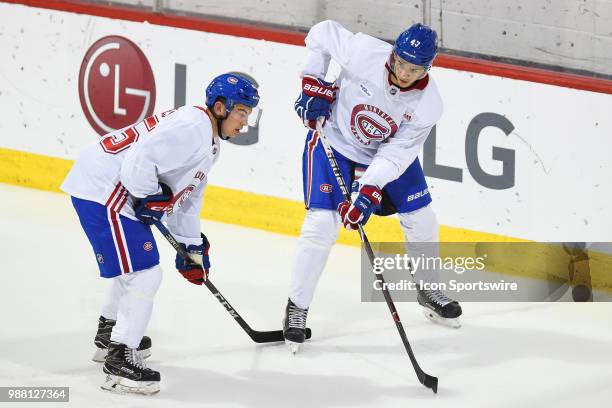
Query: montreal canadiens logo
x: 326, y: 188
x: 116, y: 84
x: 369, y: 123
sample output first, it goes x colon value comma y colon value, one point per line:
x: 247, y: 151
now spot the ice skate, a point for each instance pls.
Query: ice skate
x: 102, y: 339
x: 439, y: 308
x: 294, y: 326
x: 126, y: 372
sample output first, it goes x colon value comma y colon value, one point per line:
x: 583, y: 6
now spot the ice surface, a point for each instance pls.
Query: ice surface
x: 505, y: 355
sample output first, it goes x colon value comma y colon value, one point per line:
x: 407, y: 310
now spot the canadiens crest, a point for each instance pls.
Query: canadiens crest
x: 370, y: 123
x: 326, y: 188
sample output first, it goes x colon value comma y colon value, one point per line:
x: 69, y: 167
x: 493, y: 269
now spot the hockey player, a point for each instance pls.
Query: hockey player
x: 120, y: 184
x: 379, y: 113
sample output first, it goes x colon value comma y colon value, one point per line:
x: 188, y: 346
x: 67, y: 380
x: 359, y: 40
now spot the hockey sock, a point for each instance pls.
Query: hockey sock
x: 318, y: 235
x: 136, y: 305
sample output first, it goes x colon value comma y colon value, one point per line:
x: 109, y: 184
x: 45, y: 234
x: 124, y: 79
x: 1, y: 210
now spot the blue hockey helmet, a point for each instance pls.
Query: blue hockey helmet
x: 417, y: 45
x: 234, y: 89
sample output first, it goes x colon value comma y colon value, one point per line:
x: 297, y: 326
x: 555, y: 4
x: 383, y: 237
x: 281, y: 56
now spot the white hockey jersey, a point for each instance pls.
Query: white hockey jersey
x: 175, y: 147
x: 372, y: 122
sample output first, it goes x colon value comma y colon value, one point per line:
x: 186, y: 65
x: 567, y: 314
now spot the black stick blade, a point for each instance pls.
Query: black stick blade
x: 267, y: 336
x: 431, y: 382
x: 272, y: 336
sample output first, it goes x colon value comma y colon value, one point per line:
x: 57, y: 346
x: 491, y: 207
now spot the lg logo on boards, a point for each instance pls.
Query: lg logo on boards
x: 116, y: 84
x: 506, y: 156
x: 117, y: 87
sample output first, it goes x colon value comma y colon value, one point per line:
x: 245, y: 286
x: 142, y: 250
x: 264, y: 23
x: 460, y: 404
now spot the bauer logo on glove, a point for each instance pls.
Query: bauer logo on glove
x: 320, y: 91
x: 315, y: 100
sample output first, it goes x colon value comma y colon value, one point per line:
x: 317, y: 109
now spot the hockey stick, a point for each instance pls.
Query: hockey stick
x: 256, y: 336
x: 427, y: 380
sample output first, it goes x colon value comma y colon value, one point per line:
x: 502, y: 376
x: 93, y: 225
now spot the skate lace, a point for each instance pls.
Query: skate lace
x: 133, y: 357
x: 438, y: 297
x: 297, y: 317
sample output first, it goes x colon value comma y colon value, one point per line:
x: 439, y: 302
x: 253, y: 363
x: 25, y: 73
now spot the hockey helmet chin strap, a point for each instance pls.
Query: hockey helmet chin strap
x: 220, y: 120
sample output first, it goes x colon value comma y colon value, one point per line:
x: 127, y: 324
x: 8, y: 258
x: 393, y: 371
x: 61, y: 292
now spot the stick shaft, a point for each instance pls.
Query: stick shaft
x: 424, y: 378
x: 256, y: 336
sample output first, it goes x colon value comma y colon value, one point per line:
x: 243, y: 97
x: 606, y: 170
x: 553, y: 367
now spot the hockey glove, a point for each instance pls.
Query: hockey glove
x: 152, y: 208
x: 195, y: 269
x: 366, y: 200
x: 315, y: 100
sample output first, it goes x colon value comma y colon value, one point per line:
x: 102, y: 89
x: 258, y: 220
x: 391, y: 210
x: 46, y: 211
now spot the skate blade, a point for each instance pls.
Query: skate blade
x: 434, y: 317
x: 293, y: 346
x: 100, y: 354
x: 122, y: 385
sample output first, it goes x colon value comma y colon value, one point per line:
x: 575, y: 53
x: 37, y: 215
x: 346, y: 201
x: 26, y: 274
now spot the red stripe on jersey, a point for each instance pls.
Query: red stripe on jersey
x: 123, y: 260
x: 124, y: 197
x: 111, y: 197
x: 311, y: 146
x: 116, y: 203
x: 117, y: 198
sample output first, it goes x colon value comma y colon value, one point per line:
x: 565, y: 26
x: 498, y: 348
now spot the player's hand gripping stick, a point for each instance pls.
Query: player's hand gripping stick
x: 315, y: 100
x: 365, y: 200
x: 195, y: 268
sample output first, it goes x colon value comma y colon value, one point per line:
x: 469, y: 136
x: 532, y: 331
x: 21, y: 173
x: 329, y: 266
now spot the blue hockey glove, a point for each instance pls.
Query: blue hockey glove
x: 366, y: 201
x: 315, y: 100
x: 195, y: 270
x: 152, y: 208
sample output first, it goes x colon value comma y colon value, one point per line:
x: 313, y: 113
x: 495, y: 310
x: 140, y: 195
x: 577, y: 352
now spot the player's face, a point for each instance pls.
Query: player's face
x: 405, y: 72
x: 236, y: 120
